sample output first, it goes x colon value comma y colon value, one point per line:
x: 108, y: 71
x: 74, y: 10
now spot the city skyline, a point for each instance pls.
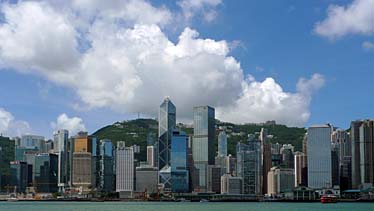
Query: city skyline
x: 286, y: 61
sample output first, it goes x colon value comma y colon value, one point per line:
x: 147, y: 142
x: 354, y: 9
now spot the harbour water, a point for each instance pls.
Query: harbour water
x: 180, y: 206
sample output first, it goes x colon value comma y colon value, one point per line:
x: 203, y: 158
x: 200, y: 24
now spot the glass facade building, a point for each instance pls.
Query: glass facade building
x: 179, y: 164
x: 203, y: 149
x: 61, y: 139
x: 19, y: 175
x: 106, y: 164
x: 249, y: 165
x: 45, y: 173
x: 222, y: 144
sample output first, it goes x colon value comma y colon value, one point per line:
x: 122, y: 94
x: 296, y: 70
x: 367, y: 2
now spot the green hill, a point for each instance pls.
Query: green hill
x: 136, y: 132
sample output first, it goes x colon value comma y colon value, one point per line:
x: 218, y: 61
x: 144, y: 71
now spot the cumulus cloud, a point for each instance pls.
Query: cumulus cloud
x: 131, y: 64
x: 9, y: 126
x: 73, y: 124
x: 368, y: 45
x: 355, y: 18
x: 206, y: 8
x: 266, y: 100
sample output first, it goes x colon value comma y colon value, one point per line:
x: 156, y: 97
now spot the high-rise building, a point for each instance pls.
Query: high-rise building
x: 335, y: 163
x: 29, y: 141
x: 319, y: 156
x: 367, y: 154
x: 178, y: 161
x: 61, y: 139
x: 249, y: 165
x: 230, y: 162
x: 166, y: 125
x: 355, y: 141
x: 82, y: 171
x: 287, y: 156
x: 266, y: 157
x: 19, y: 175
x: 342, y: 138
x: 125, y: 173
x: 146, y: 179
x: 84, y: 145
x: 214, y: 178
x: 106, y: 164
x: 203, y: 144
x: 45, y: 173
x: 231, y: 185
x: 346, y: 174
x: 152, y: 158
x: 222, y: 144
x: 280, y: 180
x: 301, y: 171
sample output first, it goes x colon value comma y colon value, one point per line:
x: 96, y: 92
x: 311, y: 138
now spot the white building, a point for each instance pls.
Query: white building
x: 280, y: 181
x: 319, y: 156
x: 152, y: 156
x: 124, y: 170
x: 61, y: 138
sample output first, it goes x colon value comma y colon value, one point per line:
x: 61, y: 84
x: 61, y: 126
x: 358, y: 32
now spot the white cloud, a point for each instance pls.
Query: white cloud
x: 9, y: 126
x: 262, y: 101
x: 368, y: 45
x: 74, y: 124
x: 355, y: 18
x: 131, y: 64
x: 206, y: 8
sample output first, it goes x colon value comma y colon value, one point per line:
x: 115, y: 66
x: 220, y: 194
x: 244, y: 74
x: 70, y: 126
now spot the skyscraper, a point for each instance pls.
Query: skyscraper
x: 179, y: 165
x: 152, y: 158
x: 166, y: 125
x: 280, y: 180
x: 355, y: 141
x: 287, y: 156
x: 319, y: 156
x: 19, y: 175
x: 125, y: 173
x: 367, y: 154
x: 106, y: 162
x: 301, y: 171
x: 249, y: 165
x: 222, y: 144
x: 203, y: 144
x: 266, y: 158
x: 45, y: 171
x: 61, y: 138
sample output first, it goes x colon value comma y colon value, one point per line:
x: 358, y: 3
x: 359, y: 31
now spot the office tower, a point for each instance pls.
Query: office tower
x: 166, y: 125
x: 30, y: 141
x: 125, y: 170
x: 366, y: 154
x: 222, y: 144
x: 203, y: 144
x: 346, y: 174
x: 355, y: 141
x: 230, y: 162
x: 276, y: 156
x: 152, y: 158
x: 280, y: 180
x: 214, y: 178
x: 82, y: 171
x: 249, y: 165
x: 45, y: 173
x: 342, y: 138
x: 86, y: 146
x: 106, y: 162
x: 266, y: 157
x: 146, y: 179
x: 231, y: 184
x: 61, y: 138
x: 20, y: 152
x: 335, y: 163
x: 178, y: 161
x: 7, y: 155
x: 19, y: 176
x: 287, y: 156
x: 49, y: 146
x: 319, y: 156
x: 301, y: 170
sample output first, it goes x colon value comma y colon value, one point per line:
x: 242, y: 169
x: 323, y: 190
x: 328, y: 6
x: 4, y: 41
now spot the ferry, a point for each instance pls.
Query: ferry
x: 329, y: 199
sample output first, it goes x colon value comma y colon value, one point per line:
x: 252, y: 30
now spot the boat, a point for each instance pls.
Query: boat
x: 12, y: 199
x: 329, y: 199
x: 204, y: 200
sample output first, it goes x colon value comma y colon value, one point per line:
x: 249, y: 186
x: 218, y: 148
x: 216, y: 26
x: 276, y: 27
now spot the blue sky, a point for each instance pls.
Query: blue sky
x: 274, y: 39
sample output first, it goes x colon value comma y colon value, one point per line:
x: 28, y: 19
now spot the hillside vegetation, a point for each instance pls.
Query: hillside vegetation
x: 136, y: 132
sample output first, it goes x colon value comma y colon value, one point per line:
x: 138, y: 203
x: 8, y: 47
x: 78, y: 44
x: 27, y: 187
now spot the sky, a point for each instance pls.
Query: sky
x: 85, y: 64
